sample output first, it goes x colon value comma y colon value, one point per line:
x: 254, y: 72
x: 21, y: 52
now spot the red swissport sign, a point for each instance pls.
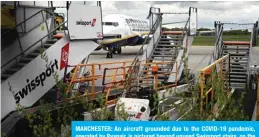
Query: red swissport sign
x: 93, y: 23
x: 64, y: 56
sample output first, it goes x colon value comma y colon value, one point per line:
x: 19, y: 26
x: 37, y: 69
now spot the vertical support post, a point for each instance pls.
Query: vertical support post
x: 176, y: 74
x: 19, y: 40
x: 124, y: 71
x: 228, y: 71
x: 207, y: 98
x: 53, y: 19
x: 72, y: 80
x: 147, y: 74
x: 155, y: 82
x: 221, y: 69
x: 155, y: 72
x: 202, y: 90
x: 93, y: 81
x: 130, y: 74
x: 212, y: 99
x: 65, y: 73
x: 67, y: 6
x: 99, y: 3
x: 124, y: 75
x: 152, y: 16
x: 81, y: 72
x: 24, y: 16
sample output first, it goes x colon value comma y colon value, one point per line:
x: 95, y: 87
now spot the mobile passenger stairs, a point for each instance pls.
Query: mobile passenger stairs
x: 232, y: 61
x: 125, y: 76
x: 159, y: 68
x: 36, y: 53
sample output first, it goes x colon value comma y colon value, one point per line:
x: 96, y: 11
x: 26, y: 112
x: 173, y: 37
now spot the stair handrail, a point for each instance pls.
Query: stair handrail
x: 186, y: 29
x: 255, y: 34
x: 148, y: 58
x: 220, y: 42
x: 216, y: 53
x: 152, y: 30
x: 186, y: 24
x: 22, y: 22
x: 40, y: 40
x: 23, y: 29
x: 186, y: 33
x: 154, y: 45
x: 249, y: 58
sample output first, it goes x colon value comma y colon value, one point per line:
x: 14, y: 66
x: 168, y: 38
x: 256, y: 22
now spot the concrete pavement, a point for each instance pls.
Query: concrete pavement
x: 198, y: 56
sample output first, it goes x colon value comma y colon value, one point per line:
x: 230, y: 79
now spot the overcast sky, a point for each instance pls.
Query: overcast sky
x: 208, y: 12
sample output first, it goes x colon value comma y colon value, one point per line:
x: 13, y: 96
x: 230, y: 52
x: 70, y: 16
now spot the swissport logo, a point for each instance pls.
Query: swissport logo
x: 36, y: 82
x: 93, y: 23
x: 86, y: 23
x: 64, y: 56
x: 40, y: 79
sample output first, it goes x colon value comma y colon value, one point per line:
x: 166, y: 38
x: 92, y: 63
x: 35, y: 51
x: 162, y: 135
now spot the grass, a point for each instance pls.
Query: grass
x: 210, y: 40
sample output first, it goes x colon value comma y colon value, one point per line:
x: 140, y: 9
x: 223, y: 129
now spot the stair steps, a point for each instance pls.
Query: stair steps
x: 26, y: 59
x: 239, y: 55
x: 165, y: 51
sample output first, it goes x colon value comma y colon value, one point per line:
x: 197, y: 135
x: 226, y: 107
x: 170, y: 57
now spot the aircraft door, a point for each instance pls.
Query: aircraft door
x: 127, y: 30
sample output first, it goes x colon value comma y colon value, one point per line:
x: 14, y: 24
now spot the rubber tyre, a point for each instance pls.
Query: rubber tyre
x: 119, y: 50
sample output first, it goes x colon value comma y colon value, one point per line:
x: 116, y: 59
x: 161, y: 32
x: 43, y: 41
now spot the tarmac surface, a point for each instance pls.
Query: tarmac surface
x: 198, y: 56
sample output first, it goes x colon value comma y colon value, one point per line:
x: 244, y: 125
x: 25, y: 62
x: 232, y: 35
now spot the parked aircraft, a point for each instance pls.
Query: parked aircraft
x: 128, y: 30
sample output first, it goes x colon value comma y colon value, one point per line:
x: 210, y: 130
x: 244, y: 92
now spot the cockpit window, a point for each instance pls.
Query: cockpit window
x: 115, y: 24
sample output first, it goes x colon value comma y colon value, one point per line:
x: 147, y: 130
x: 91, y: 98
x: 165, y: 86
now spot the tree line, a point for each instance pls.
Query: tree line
x: 231, y: 32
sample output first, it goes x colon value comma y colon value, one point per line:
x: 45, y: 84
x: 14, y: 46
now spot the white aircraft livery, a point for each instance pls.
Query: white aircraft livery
x: 130, y: 31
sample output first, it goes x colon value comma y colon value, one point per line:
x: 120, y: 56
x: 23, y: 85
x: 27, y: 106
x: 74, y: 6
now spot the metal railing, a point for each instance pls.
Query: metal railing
x: 186, y: 29
x: 253, y: 33
x: 154, y: 46
x: 93, y: 76
x: 208, y: 91
x: 218, y: 45
x: 152, y: 31
x: 174, y: 12
x: 249, y: 59
x: 116, y: 80
x: 22, y: 26
x: 34, y: 44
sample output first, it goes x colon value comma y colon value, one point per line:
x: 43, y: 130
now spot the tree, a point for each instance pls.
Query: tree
x: 203, y: 29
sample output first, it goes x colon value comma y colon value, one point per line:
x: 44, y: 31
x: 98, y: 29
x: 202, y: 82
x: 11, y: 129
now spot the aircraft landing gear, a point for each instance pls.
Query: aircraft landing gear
x: 116, y: 50
x: 119, y: 50
x: 110, y: 53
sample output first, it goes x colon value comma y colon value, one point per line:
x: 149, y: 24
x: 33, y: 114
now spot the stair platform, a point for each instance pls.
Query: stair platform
x: 236, y: 43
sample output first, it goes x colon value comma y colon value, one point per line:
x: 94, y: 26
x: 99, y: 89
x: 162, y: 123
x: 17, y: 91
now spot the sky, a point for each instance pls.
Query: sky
x: 208, y: 11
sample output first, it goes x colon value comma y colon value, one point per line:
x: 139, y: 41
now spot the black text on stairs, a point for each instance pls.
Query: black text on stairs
x: 37, y: 81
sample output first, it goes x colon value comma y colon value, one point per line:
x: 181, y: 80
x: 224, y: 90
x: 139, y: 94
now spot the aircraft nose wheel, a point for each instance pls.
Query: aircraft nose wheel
x: 119, y: 50
x: 109, y: 54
